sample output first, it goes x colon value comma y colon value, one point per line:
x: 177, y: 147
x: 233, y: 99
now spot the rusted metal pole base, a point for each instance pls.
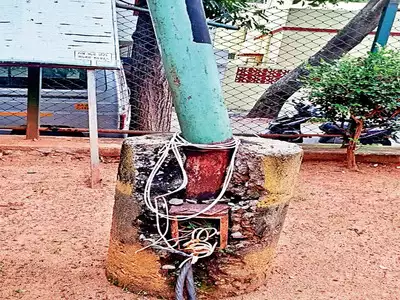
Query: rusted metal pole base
x: 206, y: 172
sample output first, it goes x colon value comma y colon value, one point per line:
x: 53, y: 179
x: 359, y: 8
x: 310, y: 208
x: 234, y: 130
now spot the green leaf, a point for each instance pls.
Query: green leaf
x: 356, y: 86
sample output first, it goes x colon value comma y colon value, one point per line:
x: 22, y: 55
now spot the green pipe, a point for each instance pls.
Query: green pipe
x: 191, y: 69
x: 385, y: 25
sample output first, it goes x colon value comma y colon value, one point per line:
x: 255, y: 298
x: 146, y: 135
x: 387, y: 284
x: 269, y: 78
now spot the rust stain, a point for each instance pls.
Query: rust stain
x: 175, y: 77
x: 177, y: 81
x: 175, y: 230
x: 206, y: 172
x: 223, y: 231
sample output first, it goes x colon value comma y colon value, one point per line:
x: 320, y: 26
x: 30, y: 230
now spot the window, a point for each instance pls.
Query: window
x: 52, y: 78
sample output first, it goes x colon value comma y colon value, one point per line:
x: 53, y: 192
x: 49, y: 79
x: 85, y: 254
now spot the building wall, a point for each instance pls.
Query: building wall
x: 296, y: 34
x: 297, y: 46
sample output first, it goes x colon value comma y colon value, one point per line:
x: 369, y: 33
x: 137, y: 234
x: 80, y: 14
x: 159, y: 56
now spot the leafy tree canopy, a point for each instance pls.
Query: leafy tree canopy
x: 245, y: 13
x: 237, y: 12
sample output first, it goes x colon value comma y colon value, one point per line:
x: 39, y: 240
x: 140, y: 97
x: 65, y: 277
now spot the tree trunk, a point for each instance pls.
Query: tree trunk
x: 150, y: 95
x: 270, y: 103
x: 351, y: 147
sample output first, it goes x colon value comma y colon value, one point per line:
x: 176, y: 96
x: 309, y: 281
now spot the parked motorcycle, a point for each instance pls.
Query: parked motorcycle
x: 380, y: 135
x: 291, y: 125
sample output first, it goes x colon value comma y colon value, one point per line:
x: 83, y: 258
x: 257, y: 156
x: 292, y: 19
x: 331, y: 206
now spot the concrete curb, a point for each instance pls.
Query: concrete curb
x: 68, y: 145
x: 366, y: 154
x: 111, y: 148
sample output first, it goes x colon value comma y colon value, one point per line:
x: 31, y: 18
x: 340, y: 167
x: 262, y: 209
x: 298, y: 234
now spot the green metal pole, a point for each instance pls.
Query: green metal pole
x: 385, y: 25
x: 191, y: 69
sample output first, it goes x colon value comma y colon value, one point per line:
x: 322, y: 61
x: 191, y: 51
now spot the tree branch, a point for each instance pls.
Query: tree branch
x: 367, y: 19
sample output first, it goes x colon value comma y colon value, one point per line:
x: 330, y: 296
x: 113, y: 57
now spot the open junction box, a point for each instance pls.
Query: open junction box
x: 216, y: 217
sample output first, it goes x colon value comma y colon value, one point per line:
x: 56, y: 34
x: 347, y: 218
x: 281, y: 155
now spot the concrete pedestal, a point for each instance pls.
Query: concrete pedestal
x: 258, y: 196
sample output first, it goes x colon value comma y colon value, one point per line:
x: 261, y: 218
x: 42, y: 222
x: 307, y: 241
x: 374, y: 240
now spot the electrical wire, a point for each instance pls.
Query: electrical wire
x: 199, y: 244
x: 173, y: 145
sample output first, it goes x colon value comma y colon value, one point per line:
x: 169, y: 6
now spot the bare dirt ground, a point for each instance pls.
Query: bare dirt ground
x: 341, y: 239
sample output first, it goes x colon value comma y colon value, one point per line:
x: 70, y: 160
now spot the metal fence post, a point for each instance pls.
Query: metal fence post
x: 385, y: 25
x: 94, y: 143
x: 33, y: 111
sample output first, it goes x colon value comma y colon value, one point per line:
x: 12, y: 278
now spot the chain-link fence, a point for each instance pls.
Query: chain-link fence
x: 250, y: 63
x: 64, y: 98
x: 257, y: 61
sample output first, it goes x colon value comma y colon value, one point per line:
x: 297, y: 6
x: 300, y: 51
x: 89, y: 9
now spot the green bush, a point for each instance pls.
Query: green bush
x: 357, y: 89
x: 357, y: 86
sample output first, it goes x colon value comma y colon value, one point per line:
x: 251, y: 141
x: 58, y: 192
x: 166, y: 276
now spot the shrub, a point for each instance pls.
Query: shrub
x: 357, y: 89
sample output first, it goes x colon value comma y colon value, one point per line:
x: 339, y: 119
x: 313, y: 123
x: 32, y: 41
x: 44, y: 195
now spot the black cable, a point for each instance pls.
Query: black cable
x: 190, y: 287
x: 185, y: 276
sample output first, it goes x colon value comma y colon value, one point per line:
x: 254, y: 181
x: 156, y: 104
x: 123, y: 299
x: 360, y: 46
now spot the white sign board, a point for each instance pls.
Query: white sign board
x: 59, y: 33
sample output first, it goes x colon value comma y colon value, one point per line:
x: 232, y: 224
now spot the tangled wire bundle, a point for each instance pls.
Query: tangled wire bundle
x: 198, y: 245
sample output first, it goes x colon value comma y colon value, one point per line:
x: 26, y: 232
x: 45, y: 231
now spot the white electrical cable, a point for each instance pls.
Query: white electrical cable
x: 199, y: 245
x: 176, y: 142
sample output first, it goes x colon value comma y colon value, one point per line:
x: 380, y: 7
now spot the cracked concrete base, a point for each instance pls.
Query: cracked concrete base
x: 259, y: 195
